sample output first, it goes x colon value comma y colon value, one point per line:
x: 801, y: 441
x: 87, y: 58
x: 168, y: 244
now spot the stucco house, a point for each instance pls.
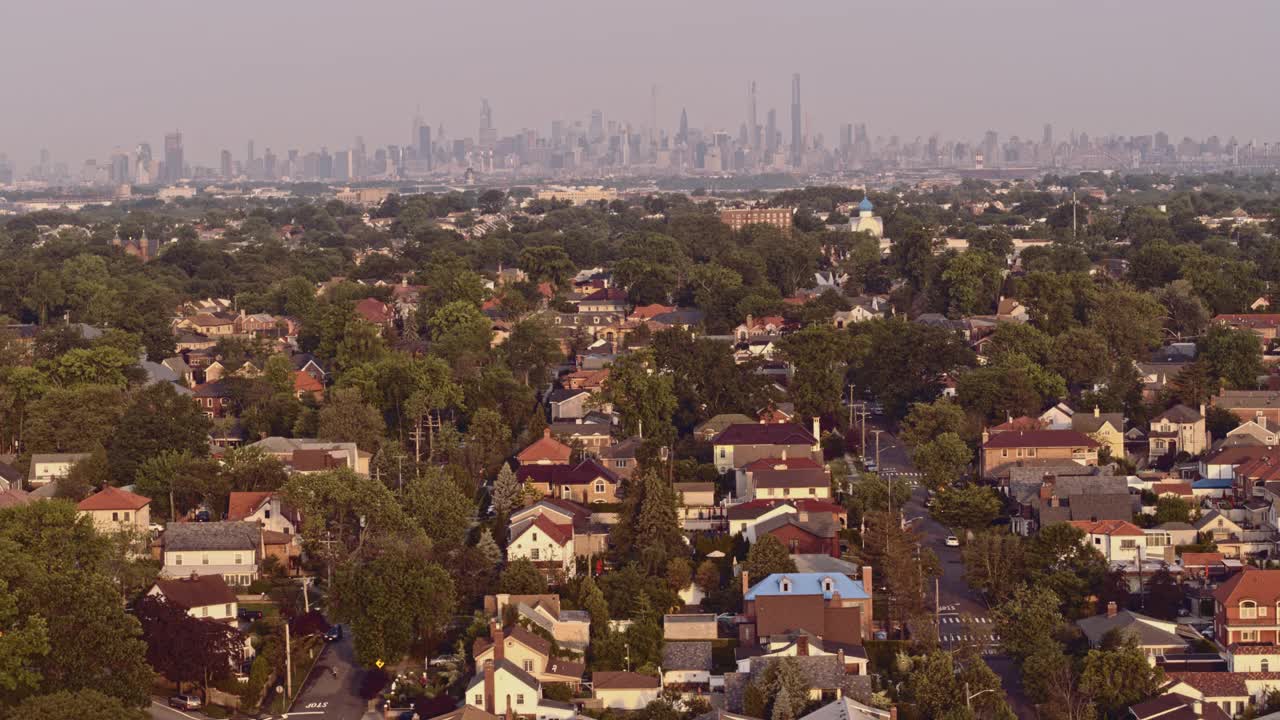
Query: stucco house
x: 114, y: 509
x: 625, y: 690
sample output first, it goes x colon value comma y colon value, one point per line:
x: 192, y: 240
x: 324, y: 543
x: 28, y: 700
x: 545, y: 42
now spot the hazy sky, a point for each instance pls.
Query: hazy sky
x: 83, y: 76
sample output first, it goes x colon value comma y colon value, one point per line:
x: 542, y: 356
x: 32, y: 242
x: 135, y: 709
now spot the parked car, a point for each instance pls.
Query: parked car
x: 952, y: 541
x: 185, y: 702
x: 249, y: 615
x: 334, y: 633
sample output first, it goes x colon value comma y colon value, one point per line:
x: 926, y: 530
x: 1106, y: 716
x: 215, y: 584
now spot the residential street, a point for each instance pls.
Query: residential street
x: 329, y: 697
x: 965, y: 618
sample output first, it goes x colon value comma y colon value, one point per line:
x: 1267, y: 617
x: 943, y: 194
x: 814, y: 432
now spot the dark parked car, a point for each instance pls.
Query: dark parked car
x: 334, y: 633
x: 249, y: 615
x: 185, y: 702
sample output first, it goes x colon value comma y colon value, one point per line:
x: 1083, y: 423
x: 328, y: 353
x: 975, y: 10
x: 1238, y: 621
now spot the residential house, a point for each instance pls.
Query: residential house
x: 698, y: 508
x: 831, y: 606
x: 1253, y: 432
x: 48, y: 467
x: 305, y: 385
x: 568, y: 404
x: 586, y: 482
x: 340, y: 454
x: 842, y: 319
x: 1008, y: 449
x: 231, y: 549
x: 829, y: 677
x: 1172, y: 706
x: 1010, y: 310
x: 113, y: 509
x: 745, y: 517
x: 1218, y: 526
x: 708, y: 430
x: 589, y: 537
x: 571, y: 629
x: 265, y: 508
x: 1246, y: 621
x: 777, y: 413
x: 1119, y: 541
x: 620, y: 690
x: 1204, y: 568
x: 802, y: 533
x: 1179, y: 429
x: 689, y: 626
x: 501, y: 688
x: 783, y: 478
x: 547, y: 544
x: 1059, y: 417
x: 593, y: 436
x: 307, y: 363
x: 375, y: 312
x: 1265, y: 325
x: 589, y: 380
x: 178, y: 366
x: 604, y: 300
x: 686, y: 666
x: 202, y: 596
x: 739, y: 445
x: 1106, y: 428
x: 852, y: 658
x: 1249, y: 405
x: 530, y: 652
x: 621, y: 458
x: 849, y: 709
x: 210, y: 325
x: 214, y: 398
x: 546, y: 450
x: 14, y: 497
x: 1043, y: 495
x: 1156, y: 376
x: 757, y: 328
x: 1232, y: 693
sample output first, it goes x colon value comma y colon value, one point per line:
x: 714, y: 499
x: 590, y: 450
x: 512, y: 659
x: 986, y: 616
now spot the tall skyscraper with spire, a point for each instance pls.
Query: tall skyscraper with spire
x: 797, y: 138
x: 753, y: 127
x: 683, y: 137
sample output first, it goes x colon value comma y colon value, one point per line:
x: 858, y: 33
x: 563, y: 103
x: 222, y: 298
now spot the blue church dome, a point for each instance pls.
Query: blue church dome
x: 865, y: 205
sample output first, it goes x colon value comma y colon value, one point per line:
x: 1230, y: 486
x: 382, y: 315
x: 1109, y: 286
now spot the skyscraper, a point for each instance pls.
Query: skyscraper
x: 173, y: 162
x: 753, y: 127
x: 797, y: 142
x: 424, y: 146
x: 597, y: 126
x: 771, y: 132
x: 683, y: 136
x: 653, y: 115
x: 488, y: 136
x: 226, y: 165
x: 248, y: 156
x: 1048, y: 134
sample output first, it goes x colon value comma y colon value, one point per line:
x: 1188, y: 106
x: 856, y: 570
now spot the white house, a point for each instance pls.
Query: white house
x: 547, y: 544
x: 47, y: 467
x: 625, y: 690
x: 1117, y: 540
x: 229, y: 549
x: 202, y: 596
x: 263, y: 507
x: 501, y: 686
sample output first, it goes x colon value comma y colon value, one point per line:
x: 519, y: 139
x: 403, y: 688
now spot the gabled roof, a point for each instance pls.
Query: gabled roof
x: 583, y: 473
x: 559, y: 534
x: 14, y: 497
x: 559, y: 395
x: 113, y: 498
x: 819, y: 526
x: 196, y: 591
x: 545, y: 448
x: 518, y: 633
x: 613, y: 295
x: 511, y: 669
x: 1147, y: 630
x: 791, y: 463
x: 1179, y: 414
x: 242, y: 504
x: 1261, y: 586
x: 1040, y: 439
x: 623, y: 681
x: 302, y: 382
x: 211, y: 536
x: 765, y: 434
x: 1114, y: 528
x: 798, y: 478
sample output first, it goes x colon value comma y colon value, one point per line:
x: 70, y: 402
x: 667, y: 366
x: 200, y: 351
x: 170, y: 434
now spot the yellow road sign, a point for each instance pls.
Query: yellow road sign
x: 379, y: 663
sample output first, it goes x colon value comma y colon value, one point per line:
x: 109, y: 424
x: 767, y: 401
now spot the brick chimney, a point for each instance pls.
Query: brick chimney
x: 1111, y: 609
x: 746, y: 582
x: 817, y: 434
x: 866, y: 579
x: 488, y: 686
x: 802, y: 646
x: 495, y: 632
x: 893, y: 712
x: 1046, y: 489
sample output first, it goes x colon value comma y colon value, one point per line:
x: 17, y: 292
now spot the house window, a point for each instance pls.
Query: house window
x: 520, y: 699
x: 479, y: 699
x: 1248, y: 610
x: 1004, y: 453
x: 534, y: 554
x: 785, y: 585
x: 795, y: 545
x: 1249, y: 636
x: 115, y: 517
x: 1128, y: 544
x: 535, y: 537
x: 620, y: 463
x: 204, y: 559
x: 177, y: 559
x: 599, y: 487
x: 722, y: 453
x: 239, y: 559
x: 226, y: 610
x: 267, y: 514
x: 1264, y: 665
x: 1031, y: 452
x: 126, y: 517
x: 566, y: 492
x: 204, y: 612
x: 528, y: 666
x: 813, y: 491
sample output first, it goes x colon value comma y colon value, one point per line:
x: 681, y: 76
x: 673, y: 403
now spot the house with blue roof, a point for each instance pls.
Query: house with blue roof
x: 828, y: 605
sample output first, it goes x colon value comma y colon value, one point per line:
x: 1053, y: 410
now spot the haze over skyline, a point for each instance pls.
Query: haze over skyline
x: 293, y: 74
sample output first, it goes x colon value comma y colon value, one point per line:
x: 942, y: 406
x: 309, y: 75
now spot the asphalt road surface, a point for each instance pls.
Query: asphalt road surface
x: 333, y: 690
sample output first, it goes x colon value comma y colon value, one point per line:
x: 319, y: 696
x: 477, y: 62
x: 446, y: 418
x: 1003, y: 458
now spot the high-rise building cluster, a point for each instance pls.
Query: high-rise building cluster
x: 598, y: 146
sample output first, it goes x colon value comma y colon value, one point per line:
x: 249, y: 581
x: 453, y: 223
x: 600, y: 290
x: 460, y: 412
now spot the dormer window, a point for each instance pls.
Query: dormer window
x: 1248, y: 610
x: 784, y: 585
x: 828, y: 585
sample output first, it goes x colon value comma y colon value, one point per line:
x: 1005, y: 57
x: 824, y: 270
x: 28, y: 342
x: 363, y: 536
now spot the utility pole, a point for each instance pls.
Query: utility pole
x: 306, y: 598
x: 1073, y: 216
x: 850, y: 424
x: 288, y: 666
x: 877, y: 432
x: 937, y: 603
x: 862, y: 410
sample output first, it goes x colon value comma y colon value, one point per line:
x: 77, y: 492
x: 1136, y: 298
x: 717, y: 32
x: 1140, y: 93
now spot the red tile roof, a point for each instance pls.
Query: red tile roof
x: 1040, y: 439
x: 1222, y: 684
x: 1020, y: 423
x: 304, y: 383
x: 1261, y: 586
x: 648, y: 312
x: 1108, y: 527
x: 113, y: 498
x: 560, y: 534
x: 545, y: 448
x: 241, y: 505
x: 374, y: 311
x: 1195, y: 559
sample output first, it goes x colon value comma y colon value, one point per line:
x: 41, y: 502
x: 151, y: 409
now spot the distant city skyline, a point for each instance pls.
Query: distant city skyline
x: 275, y: 72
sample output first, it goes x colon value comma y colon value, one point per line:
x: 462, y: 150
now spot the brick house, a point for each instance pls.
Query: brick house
x: 1007, y: 449
x: 586, y: 482
x: 1246, y: 619
x: 831, y: 606
x: 546, y: 450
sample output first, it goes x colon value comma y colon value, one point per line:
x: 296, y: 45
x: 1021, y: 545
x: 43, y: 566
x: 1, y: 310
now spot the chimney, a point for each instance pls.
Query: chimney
x: 495, y: 632
x: 488, y: 686
x: 817, y: 434
x: 840, y: 659
x: 1202, y: 410
x: 802, y: 646
x: 746, y: 582
x: 1046, y: 489
x: 893, y: 712
x: 1096, y: 411
x: 1111, y: 609
x: 866, y: 580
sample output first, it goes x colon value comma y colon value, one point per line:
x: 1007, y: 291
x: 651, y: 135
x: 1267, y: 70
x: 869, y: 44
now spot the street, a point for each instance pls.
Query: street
x: 329, y: 697
x: 964, y: 618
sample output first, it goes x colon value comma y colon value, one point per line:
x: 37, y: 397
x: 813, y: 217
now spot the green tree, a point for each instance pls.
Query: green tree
x: 345, y: 417
x: 1129, y: 320
x: 23, y: 642
x: 460, y: 334
x: 993, y: 564
x: 1057, y: 559
x: 521, y: 577
x: 1029, y: 621
x: 1116, y: 679
x: 818, y: 354
x: 531, y: 350
x: 547, y: 262
x: 1172, y: 509
x: 507, y: 493
x: 767, y: 556
x: 905, y: 361
x: 185, y: 648
x: 344, y: 515
x: 79, y: 704
x: 592, y: 600
x: 441, y: 508
x: 942, y: 460
x: 396, y: 601
x: 158, y: 419
x: 643, y: 394
x: 74, y: 419
x: 970, y: 507
x: 956, y: 687
x: 972, y: 282
x: 1079, y: 355
x: 1233, y: 356
x: 488, y: 548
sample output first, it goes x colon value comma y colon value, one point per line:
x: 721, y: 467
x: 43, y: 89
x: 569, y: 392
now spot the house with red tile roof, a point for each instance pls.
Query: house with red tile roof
x: 305, y: 385
x: 545, y: 543
x: 1005, y: 450
x: 1230, y: 692
x: 112, y: 509
x: 546, y: 450
x: 1117, y: 540
x: 649, y: 312
x: 266, y: 508
x: 374, y: 311
x: 1245, y: 608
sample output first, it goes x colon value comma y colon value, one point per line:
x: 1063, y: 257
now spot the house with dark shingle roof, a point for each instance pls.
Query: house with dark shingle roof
x: 202, y: 596
x: 1179, y: 429
x: 625, y: 690
x: 585, y: 482
x: 686, y: 665
x: 1156, y: 638
x: 739, y: 445
x: 1005, y: 450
